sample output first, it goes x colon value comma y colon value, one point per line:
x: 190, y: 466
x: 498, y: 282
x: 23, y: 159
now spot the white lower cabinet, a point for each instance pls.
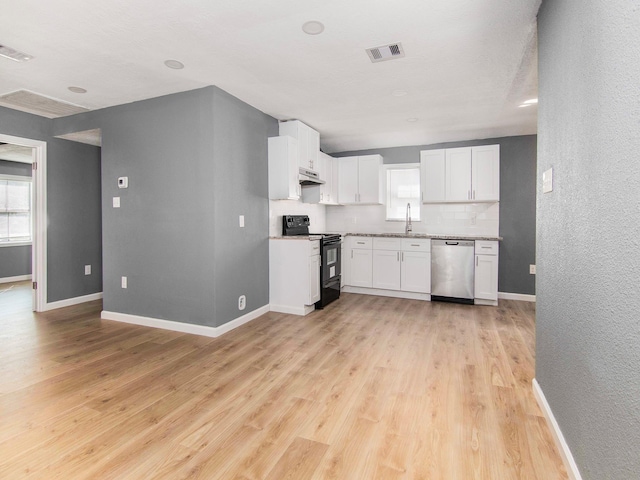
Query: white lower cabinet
x: 294, y: 290
x: 486, y: 271
x: 416, y: 272
x: 360, y: 262
x: 314, y: 279
x: 390, y: 263
x: 386, y: 269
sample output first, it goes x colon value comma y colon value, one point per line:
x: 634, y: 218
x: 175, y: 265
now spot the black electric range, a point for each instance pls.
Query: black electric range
x: 330, y: 256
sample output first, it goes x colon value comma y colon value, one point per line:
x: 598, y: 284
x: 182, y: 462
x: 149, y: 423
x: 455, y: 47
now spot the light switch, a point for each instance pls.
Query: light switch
x: 547, y: 181
x: 123, y: 182
x: 116, y: 202
x: 241, y: 221
x: 87, y: 269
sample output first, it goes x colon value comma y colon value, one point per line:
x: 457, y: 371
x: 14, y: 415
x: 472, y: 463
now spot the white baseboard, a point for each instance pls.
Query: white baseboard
x: 203, y: 330
x: 516, y: 296
x: 302, y: 311
x: 17, y: 278
x: 72, y: 301
x: 480, y: 301
x: 386, y: 293
x: 565, y: 453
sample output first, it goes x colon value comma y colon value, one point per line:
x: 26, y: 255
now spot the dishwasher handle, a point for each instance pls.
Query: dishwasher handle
x: 452, y: 243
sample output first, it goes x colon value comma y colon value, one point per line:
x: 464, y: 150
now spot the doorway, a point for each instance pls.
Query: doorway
x: 38, y: 160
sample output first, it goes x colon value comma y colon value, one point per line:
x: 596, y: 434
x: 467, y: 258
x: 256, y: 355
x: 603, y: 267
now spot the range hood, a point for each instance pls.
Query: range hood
x: 309, y: 177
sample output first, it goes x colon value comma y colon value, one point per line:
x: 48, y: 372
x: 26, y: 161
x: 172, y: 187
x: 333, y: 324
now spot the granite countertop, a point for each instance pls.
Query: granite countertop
x: 425, y: 235
x: 296, y: 237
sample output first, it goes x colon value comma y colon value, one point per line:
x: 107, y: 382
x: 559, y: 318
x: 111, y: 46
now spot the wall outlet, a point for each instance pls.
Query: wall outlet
x: 116, y: 202
x: 532, y: 269
x: 241, y: 221
x: 123, y: 282
x: 87, y: 269
x: 242, y: 302
x: 123, y: 182
x: 473, y: 218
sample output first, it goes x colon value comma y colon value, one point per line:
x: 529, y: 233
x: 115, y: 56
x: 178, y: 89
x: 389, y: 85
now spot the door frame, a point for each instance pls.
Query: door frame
x: 39, y: 225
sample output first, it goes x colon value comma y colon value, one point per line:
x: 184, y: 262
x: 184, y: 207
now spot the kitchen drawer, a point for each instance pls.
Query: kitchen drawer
x: 387, y: 243
x: 361, y: 242
x: 486, y: 247
x: 416, y: 244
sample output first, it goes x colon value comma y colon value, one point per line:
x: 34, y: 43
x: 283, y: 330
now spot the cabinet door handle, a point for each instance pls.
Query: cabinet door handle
x: 422, y: 196
x: 476, y: 260
x: 403, y: 256
x: 397, y: 256
x: 351, y: 253
x: 469, y: 195
x: 474, y: 194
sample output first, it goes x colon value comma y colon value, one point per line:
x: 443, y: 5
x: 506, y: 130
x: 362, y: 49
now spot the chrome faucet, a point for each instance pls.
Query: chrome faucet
x: 408, y: 227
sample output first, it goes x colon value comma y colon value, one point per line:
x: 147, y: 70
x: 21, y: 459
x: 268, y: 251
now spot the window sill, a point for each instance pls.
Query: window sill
x: 14, y: 244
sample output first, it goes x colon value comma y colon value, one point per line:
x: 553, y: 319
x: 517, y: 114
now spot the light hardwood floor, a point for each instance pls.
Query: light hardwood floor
x: 369, y: 388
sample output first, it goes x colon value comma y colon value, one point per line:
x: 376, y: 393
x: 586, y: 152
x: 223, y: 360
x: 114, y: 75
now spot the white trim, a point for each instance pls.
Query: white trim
x: 565, y: 452
x: 516, y: 296
x: 15, y: 244
x: 386, y: 293
x: 68, y: 302
x: 15, y: 178
x: 17, y: 278
x: 203, y: 330
x: 483, y: 301
x: 39, y: 240
x: 302, y: 311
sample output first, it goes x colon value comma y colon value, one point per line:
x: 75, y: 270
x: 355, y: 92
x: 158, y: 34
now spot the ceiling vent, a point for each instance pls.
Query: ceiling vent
x: 30, y: 102
x: 386, y: 52
x: 12, y: 54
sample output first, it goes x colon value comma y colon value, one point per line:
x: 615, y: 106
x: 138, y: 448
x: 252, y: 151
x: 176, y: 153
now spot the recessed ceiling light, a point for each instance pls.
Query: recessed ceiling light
x: 175, y: 64
x: 524, y: 105
x: 412, y: 120
x: 532, y: 101
x: 77, y: 90
x: 313, y: 28
x: 398, y: 93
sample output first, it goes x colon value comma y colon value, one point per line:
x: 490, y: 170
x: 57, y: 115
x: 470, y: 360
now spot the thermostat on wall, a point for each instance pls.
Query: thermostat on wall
x: 123, y: 182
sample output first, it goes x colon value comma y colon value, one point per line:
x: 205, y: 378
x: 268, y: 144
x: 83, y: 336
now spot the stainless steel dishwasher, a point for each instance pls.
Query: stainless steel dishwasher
x: 452, y: 270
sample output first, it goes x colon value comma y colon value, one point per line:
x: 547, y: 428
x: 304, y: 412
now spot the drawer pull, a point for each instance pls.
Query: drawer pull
x: 415, y: 245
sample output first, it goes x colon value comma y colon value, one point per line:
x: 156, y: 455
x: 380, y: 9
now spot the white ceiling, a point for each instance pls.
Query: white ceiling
x: 468, y: 63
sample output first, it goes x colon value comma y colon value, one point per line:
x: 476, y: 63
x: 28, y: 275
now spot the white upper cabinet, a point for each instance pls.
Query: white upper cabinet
x: 308, y: 142
x: 328, y: 173
x: 456, y: 175
x: 432, y: 170
x: 485, y: 173
x: 359, y: 180
x: 283, y: 168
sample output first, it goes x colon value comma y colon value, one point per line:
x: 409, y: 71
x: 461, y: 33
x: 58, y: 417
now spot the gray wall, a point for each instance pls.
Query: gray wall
x: 195, y: 161
x: 241, y: 188
x: 517, y: 202
x: 588, y: 332
x: 15, y: 261
x: 73, y: 193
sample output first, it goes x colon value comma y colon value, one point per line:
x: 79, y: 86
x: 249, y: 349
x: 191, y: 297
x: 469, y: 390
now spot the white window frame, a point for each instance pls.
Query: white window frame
x: 20, y: 178
x: 415, y: 212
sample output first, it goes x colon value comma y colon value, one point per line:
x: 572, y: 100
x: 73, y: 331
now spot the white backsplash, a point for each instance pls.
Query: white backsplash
x: 480, y: 219
x: 278, y: 208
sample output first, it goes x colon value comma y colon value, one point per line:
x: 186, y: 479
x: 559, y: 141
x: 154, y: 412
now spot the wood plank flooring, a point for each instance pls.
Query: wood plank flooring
x: 368, y: 388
